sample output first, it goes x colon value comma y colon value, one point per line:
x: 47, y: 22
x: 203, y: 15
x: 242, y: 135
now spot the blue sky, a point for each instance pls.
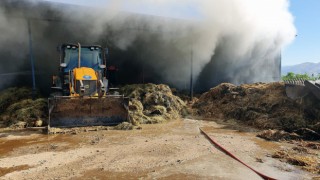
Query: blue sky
x: 306, y: 46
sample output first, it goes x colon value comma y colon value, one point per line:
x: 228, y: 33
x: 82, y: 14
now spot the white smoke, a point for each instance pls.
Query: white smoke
x: 247, y: 31
x: 247, y: 24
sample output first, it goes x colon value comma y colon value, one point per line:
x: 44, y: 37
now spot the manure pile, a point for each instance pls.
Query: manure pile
x: 150, y: 103
x: 18, y: 110
x: 261, y: 105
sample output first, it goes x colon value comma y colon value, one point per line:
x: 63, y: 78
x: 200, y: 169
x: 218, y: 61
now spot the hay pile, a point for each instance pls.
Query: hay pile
x: 124, y: 126
x: 261, y: 105
x: 278, y: 135
x: 18, y: 110
x: 303, y: 157
x: 150, y: 103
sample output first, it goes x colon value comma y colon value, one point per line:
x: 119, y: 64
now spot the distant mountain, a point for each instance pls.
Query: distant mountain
x: 308, y: 67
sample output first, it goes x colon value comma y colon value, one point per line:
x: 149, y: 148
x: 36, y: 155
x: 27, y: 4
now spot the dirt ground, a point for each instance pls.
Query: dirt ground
x: 173, y: 150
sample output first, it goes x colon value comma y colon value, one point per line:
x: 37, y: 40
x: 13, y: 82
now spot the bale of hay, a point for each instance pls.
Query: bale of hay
x: 151, y: 103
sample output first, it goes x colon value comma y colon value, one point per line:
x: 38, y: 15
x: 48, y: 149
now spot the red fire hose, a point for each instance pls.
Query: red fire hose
x: 234, y: 157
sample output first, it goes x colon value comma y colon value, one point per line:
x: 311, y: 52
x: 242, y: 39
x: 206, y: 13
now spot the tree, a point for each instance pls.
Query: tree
x: 293, y: 76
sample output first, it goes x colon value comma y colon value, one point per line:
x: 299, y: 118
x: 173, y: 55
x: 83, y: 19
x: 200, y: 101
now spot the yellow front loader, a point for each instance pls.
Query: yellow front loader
x: 80, y: 94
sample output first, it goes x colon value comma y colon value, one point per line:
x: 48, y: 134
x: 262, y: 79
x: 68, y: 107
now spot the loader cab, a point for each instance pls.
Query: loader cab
x: 91, y: 56
x: 84, y: 76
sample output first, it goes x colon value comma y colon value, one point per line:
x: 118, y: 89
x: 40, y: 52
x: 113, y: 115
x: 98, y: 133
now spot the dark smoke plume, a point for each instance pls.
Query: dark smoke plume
x: 231, y: 41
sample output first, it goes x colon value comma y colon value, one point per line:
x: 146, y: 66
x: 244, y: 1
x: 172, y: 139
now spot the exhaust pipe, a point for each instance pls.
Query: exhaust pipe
x: 79, y: 55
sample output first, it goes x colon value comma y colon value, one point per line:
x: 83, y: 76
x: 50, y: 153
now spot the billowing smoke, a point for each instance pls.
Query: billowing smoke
x: 229, y: 41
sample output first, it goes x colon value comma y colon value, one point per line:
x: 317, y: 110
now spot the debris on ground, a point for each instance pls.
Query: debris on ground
x: 259, y: 160
x: 262, y: 105
x: 278, y: 135
x: 151, y: 103
x: 300, y: 156
x: 18, y: 110
x: 303, y: 153
x: 308, y: 144
x: 76, y: 130
x: 124, y: 126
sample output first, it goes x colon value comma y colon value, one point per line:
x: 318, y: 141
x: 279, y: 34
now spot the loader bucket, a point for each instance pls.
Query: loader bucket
x: 314, y: 87
x: 296, y: 89
x: 87, y: 111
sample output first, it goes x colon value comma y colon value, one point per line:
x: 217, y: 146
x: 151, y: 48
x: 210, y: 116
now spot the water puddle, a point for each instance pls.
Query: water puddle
x: 268, y: 145
x: 4, y: 171
x: 18, y: 140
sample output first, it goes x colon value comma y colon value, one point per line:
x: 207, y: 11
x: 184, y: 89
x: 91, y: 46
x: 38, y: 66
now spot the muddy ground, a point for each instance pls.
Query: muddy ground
x: 173, y: 150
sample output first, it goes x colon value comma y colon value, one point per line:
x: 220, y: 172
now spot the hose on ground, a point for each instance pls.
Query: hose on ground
x: 233, y: 156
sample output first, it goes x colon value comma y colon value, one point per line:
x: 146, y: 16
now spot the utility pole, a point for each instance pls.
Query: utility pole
x: 280, y: 63
x: 141, y: 56
x: 191, y: 75
x: 31, y: 61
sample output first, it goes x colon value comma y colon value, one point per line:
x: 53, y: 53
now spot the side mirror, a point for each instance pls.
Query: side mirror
x: 63, y: 65
x: 102, y: 66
